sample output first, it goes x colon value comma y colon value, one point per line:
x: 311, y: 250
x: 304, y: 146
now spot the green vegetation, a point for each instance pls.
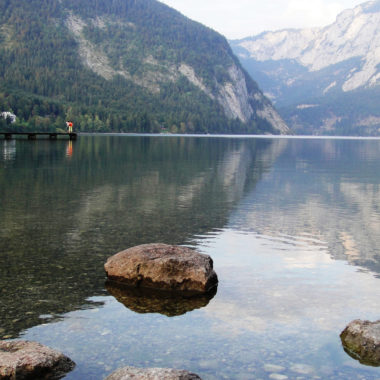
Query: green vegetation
x: 45, y: 82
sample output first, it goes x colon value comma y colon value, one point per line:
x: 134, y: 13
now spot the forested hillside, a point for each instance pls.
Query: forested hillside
x: 123, y: 66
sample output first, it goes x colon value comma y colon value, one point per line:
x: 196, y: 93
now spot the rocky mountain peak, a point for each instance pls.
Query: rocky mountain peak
x: 354, y: 34
x: 323, y: 78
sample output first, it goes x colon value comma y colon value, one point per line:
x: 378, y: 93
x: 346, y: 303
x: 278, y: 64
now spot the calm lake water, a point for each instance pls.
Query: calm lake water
x: 293, y: 227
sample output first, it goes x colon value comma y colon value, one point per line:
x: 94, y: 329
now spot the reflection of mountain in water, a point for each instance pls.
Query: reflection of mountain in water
x: 62, y: 217
x: 327, y: 190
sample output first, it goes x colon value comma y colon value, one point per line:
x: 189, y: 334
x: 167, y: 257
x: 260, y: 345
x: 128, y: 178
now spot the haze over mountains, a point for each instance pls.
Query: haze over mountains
x: 322, y: 80
x: 123, y: 65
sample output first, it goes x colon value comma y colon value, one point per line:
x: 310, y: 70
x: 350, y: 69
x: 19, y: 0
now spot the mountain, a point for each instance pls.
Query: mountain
x: 123, y: 65
x: 322, y: 80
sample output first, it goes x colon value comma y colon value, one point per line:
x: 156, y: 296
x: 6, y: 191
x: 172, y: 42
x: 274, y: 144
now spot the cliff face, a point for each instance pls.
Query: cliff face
x: 231, y: 92
x: 308, y: 68
x: 147, y: 57
x: 240, y: 103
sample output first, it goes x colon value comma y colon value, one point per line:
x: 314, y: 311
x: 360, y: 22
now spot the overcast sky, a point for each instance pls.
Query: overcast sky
x: 243, y: 18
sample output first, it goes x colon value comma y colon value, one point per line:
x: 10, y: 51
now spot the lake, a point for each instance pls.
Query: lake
x: 292, y: 224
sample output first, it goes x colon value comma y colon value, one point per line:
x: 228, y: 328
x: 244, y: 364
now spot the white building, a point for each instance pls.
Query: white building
x: 10, y: 115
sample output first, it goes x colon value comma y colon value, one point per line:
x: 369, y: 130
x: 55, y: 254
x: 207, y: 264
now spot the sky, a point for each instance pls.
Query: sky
x: 243, y: 18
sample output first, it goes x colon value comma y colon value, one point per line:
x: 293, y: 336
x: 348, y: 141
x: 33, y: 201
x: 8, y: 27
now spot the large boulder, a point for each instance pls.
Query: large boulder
x: 30, y: 360
x: 151, y: 374
x: 361, y: 340
x: 164, y: 267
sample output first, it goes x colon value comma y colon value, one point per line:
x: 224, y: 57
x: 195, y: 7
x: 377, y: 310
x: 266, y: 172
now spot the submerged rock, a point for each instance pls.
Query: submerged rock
x: 361, y: 340
x: 30, y: 360
x: 152, y: 301
x: 165, y: 267
x: 151, y: 374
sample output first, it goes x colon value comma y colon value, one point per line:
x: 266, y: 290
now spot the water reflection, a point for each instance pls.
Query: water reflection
x: 292, y: 226
x: 268, y: 318
x: 295, y: 288
x: 328, y: 191
x: 69, y: 149
x: 62, y: 218
x: 149, y: 301
x: 9, y: 150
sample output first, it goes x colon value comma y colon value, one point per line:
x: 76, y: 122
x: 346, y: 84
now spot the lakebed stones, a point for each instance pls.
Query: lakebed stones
x: 163, y: 267
x: 361, y: 340
x: 127, y: 373
x: 30, y: 360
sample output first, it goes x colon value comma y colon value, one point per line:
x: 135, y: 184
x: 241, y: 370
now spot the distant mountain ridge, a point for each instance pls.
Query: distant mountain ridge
x: 317, y: 76
x: 124, y: 65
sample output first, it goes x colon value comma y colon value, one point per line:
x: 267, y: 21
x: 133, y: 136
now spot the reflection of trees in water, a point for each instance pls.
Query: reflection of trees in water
x: 327, y: 190
x: 63, y: 217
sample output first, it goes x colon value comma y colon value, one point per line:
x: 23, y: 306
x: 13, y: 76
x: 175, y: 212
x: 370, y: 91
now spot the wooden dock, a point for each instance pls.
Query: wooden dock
x: 34, y: 135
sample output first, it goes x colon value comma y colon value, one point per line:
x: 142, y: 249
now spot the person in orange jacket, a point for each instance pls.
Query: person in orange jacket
x: 70, y: 126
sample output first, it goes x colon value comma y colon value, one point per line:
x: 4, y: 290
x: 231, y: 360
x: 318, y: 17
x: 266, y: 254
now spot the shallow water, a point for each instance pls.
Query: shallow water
x: 293, y: 226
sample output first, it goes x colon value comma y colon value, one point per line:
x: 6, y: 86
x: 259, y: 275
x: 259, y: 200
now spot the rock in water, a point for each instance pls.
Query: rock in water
x: 151, y: 374
x: 165, y: 267
x: 30, y: 360
x: 361, y: 339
